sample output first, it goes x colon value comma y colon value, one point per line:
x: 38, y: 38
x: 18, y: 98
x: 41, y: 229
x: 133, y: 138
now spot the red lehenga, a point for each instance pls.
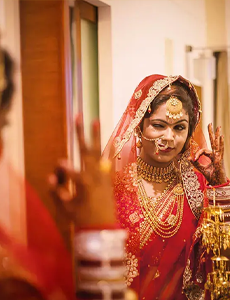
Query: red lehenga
x: 163, y: 268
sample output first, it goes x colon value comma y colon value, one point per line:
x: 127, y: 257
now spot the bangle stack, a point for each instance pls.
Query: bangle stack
x: 100, y: 269
x: 221, y: 199
x: 216, y: 239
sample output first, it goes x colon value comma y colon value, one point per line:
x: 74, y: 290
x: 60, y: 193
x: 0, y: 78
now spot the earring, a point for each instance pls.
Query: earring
x: 139, y: 143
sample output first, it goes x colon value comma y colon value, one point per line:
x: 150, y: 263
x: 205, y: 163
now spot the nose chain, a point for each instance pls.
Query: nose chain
x: 158, y: 143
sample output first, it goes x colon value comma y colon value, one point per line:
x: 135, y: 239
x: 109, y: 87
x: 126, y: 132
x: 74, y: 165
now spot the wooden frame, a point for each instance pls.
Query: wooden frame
x: 45, y: 88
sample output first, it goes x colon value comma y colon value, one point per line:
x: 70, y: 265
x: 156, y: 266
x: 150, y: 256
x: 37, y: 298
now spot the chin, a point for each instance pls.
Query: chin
x: 163, y: 158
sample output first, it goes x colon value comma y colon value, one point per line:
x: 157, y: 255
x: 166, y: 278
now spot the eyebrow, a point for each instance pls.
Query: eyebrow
x: 169, y: 123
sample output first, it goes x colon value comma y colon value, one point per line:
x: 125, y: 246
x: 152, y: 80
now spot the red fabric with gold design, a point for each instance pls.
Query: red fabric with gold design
x: 155, y: 265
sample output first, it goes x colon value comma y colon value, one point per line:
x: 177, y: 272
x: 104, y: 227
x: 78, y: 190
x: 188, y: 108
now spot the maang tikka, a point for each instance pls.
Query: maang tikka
x: 174, y: 108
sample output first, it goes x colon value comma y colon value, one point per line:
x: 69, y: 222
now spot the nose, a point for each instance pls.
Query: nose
x: 169, y: 134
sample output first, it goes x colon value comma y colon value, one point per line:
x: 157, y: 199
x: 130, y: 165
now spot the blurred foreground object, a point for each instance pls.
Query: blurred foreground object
x: 100, y: 264
x: 87, y: 198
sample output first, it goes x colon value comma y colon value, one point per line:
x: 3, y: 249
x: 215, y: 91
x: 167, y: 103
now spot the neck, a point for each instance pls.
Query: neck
x: 154, y: 163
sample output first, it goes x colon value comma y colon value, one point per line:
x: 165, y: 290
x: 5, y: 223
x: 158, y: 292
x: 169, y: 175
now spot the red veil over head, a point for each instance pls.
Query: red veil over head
x: 123, y: 137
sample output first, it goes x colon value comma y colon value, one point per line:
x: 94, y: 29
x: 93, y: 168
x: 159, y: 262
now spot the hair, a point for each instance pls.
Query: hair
x: 180, y: 91
x: 7, y: 93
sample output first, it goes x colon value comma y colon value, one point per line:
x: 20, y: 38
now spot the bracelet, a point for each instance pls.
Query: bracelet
x: 102, y: 245
x: 100, y: 268
x: 221, y: 193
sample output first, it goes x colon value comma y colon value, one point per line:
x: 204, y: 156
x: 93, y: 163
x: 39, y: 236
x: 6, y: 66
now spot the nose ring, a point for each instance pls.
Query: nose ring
x: 159, y: 146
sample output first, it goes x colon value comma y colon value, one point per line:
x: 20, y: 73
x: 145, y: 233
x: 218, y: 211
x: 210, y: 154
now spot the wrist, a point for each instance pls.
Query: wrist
x: 226, y: 183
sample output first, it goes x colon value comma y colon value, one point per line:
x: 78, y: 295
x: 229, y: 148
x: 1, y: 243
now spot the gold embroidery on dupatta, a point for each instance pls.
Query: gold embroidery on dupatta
x: 198, y: 233
x: 192, y: 188
x: 138, y: 94
x: 134, y: 218
x: 131, y: 267
x: 187, y: 275
x: 130, y: 177
x: 191, y: 290
x: 156, y: 88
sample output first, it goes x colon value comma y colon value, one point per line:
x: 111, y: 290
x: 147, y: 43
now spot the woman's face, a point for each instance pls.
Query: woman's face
x: 174, y: 132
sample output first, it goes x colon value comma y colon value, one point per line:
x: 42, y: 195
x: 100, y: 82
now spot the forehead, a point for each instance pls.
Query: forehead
x: 160, y: 113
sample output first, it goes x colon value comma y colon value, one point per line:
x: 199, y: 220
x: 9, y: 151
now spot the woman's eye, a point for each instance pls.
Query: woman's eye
x: 157, y: 126
x: 179, y: 127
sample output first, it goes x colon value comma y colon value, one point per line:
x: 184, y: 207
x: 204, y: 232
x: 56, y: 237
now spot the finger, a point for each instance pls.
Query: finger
x: 60, y: 193
x: 196, y: 164
x: 201, y: 152
x: 69, y: 171
x: 222, y: 146
x: 211, y: 136
x: 201, y: 168
x: 81, y: 136
x: 96, y: 138
x: 217, y: 138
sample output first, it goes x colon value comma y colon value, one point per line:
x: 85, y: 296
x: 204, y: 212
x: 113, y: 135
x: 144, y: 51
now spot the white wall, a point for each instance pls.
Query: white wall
x: 139, y: 31
x: 227, y: 19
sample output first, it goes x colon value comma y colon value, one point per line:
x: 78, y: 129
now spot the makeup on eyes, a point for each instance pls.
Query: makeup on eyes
x: 165, y: 122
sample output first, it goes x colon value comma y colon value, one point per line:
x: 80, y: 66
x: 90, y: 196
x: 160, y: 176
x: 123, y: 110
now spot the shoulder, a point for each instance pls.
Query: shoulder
x: 126, y: 179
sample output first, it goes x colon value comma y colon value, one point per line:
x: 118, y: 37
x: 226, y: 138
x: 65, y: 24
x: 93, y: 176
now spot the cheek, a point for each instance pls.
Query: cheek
x: 181, y: 139
x: 150, y: 132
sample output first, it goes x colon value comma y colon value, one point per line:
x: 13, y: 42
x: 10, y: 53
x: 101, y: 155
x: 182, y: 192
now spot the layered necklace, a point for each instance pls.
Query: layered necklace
x: 155, y: 174
x: 164, y: 214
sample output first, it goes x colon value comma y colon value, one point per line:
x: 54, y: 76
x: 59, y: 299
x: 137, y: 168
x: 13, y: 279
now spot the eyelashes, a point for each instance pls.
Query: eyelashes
x: 176, y: 127
x: 180, y: 127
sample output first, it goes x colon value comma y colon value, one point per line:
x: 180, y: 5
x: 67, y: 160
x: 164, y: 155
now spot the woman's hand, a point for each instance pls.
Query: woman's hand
x: 214, y: 172
x: 86, y: 196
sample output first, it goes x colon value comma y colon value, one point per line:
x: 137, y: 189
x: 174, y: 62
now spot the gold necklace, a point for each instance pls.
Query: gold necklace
x: 166, y: 214
x: 155, y: 174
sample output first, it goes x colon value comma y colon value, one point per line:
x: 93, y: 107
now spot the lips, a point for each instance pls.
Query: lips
x: 169, y: 149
